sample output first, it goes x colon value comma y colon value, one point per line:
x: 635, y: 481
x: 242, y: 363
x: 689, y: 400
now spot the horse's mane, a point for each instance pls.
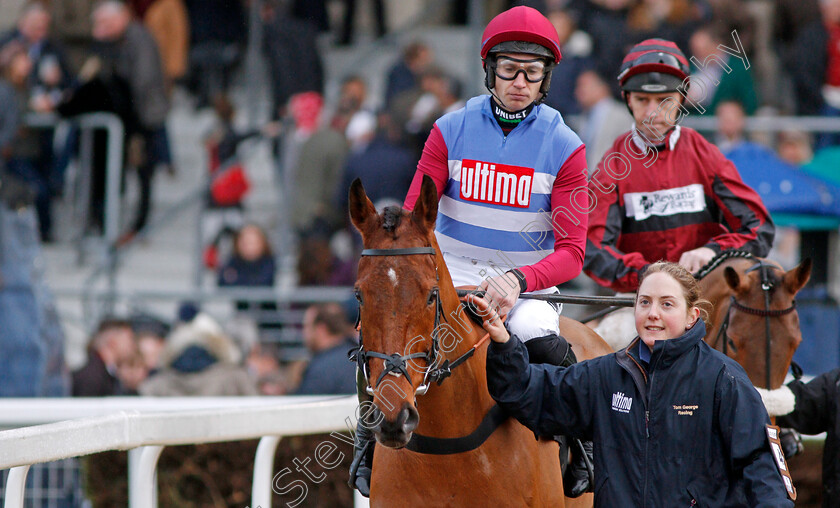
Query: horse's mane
x: 391, y: 217
x: 720, y: 258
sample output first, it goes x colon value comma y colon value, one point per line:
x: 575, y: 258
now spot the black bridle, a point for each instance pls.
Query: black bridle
x: 397, y: 364
x: 766, y: 313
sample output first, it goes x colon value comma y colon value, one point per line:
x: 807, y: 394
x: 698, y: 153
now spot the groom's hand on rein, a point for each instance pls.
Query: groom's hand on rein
x: 491, y: 321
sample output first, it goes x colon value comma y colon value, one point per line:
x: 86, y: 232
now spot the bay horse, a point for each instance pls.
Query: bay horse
x: 444, y: 444
x: 754, y: 319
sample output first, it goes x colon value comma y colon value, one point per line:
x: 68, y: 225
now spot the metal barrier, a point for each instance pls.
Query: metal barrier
x: 143, y: 426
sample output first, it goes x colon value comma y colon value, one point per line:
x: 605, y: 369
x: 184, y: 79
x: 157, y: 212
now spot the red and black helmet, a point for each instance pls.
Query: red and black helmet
x: 654, y: 66
x: 521, y: 30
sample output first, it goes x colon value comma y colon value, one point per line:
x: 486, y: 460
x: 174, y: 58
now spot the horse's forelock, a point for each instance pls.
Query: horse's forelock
x: 391, y: 217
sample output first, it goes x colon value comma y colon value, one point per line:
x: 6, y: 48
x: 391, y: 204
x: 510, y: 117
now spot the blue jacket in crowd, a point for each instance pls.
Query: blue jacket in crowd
x: 687, y: 431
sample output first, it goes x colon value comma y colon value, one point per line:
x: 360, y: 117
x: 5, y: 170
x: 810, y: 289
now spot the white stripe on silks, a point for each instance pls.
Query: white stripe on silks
x: 778, y: 402
x: 501, y: 220
x: 542, y: 183
x: 449, y: 245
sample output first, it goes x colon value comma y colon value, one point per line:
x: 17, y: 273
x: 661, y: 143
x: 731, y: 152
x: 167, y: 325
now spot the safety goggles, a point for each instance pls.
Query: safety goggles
x: 507, y: 68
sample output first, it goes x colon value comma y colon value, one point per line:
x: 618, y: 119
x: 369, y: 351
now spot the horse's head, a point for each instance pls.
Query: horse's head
x: 399, y: 300
x: 762, y: 308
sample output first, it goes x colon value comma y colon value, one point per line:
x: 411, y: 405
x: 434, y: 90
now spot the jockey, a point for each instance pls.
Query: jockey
x: 662, y: 192
x: 506, y: 167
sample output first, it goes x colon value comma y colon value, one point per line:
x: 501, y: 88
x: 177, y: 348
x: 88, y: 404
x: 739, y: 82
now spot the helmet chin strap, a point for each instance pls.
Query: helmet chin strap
x: 505, y: 106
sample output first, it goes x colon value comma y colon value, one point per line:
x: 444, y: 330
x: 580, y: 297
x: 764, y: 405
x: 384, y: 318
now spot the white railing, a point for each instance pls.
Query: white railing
x: 144, y: 425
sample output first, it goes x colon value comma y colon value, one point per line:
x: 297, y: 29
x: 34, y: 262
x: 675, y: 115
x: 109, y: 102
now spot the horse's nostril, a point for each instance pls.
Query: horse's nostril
x: 410, y: 418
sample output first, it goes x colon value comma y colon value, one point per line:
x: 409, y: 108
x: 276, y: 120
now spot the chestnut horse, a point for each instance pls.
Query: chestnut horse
x: 443, y: 444
x: 754, y: 319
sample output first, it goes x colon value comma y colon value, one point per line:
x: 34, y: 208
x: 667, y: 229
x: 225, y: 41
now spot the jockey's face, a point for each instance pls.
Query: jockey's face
x: 518, y: 93
x: 655, y: 113
x: 661, y: 310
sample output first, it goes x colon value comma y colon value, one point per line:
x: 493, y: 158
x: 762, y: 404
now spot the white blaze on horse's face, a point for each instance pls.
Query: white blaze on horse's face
x: 393, y: 276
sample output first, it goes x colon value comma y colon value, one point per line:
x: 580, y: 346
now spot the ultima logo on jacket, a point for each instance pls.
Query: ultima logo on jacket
x: 621, y: 402
x: 497, y: 184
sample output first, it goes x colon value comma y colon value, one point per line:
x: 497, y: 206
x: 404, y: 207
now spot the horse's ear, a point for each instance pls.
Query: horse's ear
x: 796, y: 278
x: 732, y: 278
x: 426, y: 207
x: 361, y: 208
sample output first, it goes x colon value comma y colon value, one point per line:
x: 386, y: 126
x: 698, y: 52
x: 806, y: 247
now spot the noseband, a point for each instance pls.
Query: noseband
x: 766, y: 313
x: 397, y: 364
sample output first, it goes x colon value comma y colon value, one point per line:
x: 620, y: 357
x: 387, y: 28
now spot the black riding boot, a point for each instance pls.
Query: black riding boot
x: 579, y: 476
x: 360, y: 468
x: 362, y: 460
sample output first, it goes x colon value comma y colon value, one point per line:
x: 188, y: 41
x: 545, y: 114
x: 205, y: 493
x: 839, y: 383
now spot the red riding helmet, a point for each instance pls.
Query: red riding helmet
x: 520, y: 30
x: 521, y: 24
x: 654, y: 66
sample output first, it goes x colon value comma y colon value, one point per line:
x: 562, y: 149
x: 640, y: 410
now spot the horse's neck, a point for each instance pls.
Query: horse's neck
x: 456, y: 406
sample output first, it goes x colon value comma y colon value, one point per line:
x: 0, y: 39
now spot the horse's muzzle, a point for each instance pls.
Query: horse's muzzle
x: 397, y: 433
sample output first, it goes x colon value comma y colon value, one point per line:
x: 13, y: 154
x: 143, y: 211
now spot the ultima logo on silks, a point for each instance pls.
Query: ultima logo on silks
x: 497, y: 184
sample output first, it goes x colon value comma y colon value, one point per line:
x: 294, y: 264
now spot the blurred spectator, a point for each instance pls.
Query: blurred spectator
x: 50, y: 74
x: 724, y: 77
x: 352, y: 99
x: 576, y: 48
x: 150, y: 335
x: 440, y: 94
x: 405, y: 73
x: 128, y: 52
x: 167, y: 22
x: 327, y: 335
x: 795, y: 147
x: 291, y: 49
x: 112, y: 344
x: 603, y: 118
x: 831, y: 87
x: 200, y: 360
x: 263, y: 364
x: 20, y: 145
x: 218, y: 30
x: 316, y: 174
x: 318, y: 264
x: 385, y: 168
x: 346, y: 34
x: 731, y: 121
x: 735, y: 15
x: 229, y: 184
x: 131, y: 373
x: 802, y: 45
x: 252, y: 263
x: 667, y: 19
x: 312, y: 11
x: 606, y: 22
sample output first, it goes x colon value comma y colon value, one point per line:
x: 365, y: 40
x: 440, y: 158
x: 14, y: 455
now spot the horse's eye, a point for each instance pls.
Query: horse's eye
x: 432, y: 295
x: 358, y: 295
